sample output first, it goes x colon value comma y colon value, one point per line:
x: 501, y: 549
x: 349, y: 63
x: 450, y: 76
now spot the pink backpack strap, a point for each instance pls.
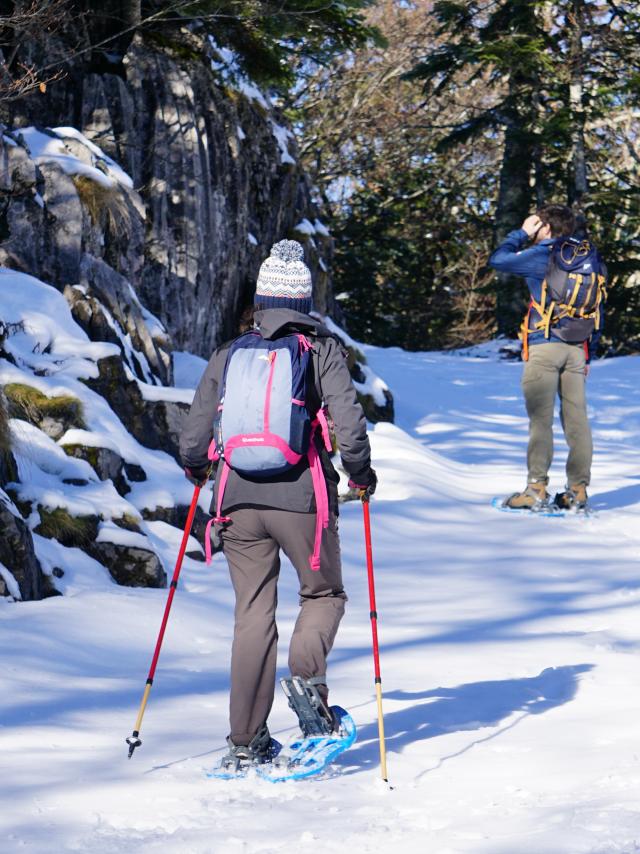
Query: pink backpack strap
x: 321, y: 418
x: 305, y: 344
x: 322, y: 499
x: 218, y: 519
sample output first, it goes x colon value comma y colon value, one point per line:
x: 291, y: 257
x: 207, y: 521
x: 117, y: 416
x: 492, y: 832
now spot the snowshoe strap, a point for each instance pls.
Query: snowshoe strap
x: 307, y: 703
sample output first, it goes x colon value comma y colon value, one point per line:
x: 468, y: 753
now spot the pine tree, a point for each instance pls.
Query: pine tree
x: 562, y: 75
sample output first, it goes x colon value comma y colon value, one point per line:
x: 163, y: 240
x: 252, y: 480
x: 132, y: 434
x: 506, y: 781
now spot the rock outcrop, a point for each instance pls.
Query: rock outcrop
x: 217, y: 179
x: 17, y: 555
x: 130, y: 565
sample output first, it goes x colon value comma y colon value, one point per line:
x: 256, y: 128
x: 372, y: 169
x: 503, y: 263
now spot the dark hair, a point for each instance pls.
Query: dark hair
x: 560, y: 218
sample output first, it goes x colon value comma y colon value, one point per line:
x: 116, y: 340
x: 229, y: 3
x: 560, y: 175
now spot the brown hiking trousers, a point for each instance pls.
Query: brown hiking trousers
x: 557, y: 369
x: 251, y: 545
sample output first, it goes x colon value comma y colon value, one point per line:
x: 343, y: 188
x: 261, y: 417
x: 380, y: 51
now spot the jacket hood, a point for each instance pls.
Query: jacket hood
x: 574, y: 255
x: 274, y: 322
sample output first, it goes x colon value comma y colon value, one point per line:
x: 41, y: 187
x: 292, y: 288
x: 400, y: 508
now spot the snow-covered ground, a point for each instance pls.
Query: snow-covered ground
x: 510, y: 661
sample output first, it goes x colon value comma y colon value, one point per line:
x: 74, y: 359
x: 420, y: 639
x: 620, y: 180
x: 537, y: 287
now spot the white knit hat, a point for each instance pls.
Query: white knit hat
x: 284, y: 280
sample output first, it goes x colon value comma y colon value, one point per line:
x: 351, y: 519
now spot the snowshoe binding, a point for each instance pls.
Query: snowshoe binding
x: 314, y: 716
x: 534, y: 497
x: 573, y: 498
x: 241, y: 758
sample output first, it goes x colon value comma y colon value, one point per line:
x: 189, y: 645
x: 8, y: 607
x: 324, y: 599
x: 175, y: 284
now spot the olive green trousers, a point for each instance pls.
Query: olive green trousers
x: 556, y: 369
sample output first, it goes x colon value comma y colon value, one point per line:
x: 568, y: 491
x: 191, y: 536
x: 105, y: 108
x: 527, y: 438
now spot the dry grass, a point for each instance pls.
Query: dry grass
x: 59, y: 524
x: 107, y: 206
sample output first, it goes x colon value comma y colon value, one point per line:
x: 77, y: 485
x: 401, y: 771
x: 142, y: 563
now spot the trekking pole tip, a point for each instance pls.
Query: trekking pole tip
x: 133, y: 741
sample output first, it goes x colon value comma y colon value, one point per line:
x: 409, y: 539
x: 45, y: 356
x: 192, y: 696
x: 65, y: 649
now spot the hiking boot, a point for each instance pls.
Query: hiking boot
x: 260, y: 749
x: 532, y: 498
x: 574, y: 496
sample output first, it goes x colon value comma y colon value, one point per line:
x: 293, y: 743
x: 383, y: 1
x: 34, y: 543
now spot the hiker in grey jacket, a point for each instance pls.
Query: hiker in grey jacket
x: 279, y: 512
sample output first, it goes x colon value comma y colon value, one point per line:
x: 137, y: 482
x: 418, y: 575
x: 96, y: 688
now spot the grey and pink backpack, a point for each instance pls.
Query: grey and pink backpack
x: 264, y: 426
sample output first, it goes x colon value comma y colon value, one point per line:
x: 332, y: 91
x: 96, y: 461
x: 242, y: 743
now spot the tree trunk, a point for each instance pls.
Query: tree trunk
x: 578, y: 185
x: 514, y: 199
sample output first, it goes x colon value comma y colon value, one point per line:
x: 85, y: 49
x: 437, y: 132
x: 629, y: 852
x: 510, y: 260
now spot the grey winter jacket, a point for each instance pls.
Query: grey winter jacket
x: 330, y: 384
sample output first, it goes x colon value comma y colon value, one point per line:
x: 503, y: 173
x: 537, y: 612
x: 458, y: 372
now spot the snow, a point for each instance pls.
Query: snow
x: 48, y: 327
x: 342, y: 335
x: 110, y: 533
x: 228, y: 67
x: 9, y: 580
x: 305, y: 227
x: 50, y: 147
x: 509, y: 649
x: 321, y: 228
x: 54, y: 355
x: 187, y: 369
x: 283, y: 135
x: 160, y: 392
x: 372, y: 385
x: 253, y: 240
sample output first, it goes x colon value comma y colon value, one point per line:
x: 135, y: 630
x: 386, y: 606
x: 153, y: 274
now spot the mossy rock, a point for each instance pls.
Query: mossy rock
x: 5, y: 435
x: 177, y: 516
x: 373, y: 411
x: 130, y: 565
x: 53, y: 415
x: 106, y: 463
x: 128, y: 523
x: 58, y: 524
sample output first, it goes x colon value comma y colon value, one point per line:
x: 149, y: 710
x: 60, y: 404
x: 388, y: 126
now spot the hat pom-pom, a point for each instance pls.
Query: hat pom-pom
x: 287, y: 250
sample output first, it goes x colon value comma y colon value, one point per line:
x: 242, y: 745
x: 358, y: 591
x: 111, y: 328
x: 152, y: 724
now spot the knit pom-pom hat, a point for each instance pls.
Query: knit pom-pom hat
x: 284, y: 280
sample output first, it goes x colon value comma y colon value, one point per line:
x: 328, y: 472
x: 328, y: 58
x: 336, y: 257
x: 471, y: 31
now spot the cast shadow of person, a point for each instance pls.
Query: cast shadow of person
x: 470, y: 707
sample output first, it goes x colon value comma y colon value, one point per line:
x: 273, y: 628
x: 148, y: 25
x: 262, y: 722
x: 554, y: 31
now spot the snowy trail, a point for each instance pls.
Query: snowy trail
x: 509, y: 646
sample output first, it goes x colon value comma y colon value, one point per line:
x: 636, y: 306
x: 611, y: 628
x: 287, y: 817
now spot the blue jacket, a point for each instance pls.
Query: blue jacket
x: 510, y: 257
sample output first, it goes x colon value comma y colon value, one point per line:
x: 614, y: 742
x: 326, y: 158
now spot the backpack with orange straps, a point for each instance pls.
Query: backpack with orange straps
x: 573, y: 291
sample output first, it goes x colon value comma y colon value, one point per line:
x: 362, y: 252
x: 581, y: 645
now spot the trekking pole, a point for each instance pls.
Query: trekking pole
x: 134, y: 739
x: 374, y: 631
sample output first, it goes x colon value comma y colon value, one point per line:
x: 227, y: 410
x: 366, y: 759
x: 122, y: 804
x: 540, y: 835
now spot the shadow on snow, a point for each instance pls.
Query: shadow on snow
x: 475, y: 706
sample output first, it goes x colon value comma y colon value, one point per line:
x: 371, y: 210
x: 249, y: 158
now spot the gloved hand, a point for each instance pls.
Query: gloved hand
x: 365, y: 481
x: 198, y: 477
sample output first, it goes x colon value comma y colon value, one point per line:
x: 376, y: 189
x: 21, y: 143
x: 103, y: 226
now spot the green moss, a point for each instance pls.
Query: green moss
x: 29, y: 404
x: 83, y: 452
x: 5, y: 435
x: 59, y: 524
x: 128, y: 522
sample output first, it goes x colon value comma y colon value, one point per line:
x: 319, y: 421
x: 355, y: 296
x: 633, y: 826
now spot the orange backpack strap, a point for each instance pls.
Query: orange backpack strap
x: 524, y: 333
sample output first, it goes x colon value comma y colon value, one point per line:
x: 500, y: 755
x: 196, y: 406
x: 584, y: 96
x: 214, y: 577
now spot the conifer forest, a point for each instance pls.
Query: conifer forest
x: 427, y: 130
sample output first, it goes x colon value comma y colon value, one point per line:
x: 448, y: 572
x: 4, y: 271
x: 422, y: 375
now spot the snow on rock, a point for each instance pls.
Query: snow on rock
x: 283, y: 136
x: 321, y: 228
x: 305, y: 227
x: 53, y: 146
x: 372, y: 386
x: 373, y: 392
x: 159, y: 392
x: 49, y: 340
x: 102, y: 463
x: 11, y: 584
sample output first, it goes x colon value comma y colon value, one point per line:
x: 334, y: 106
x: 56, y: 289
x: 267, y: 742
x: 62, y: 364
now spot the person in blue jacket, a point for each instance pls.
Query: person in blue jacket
x: 557, y: 348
